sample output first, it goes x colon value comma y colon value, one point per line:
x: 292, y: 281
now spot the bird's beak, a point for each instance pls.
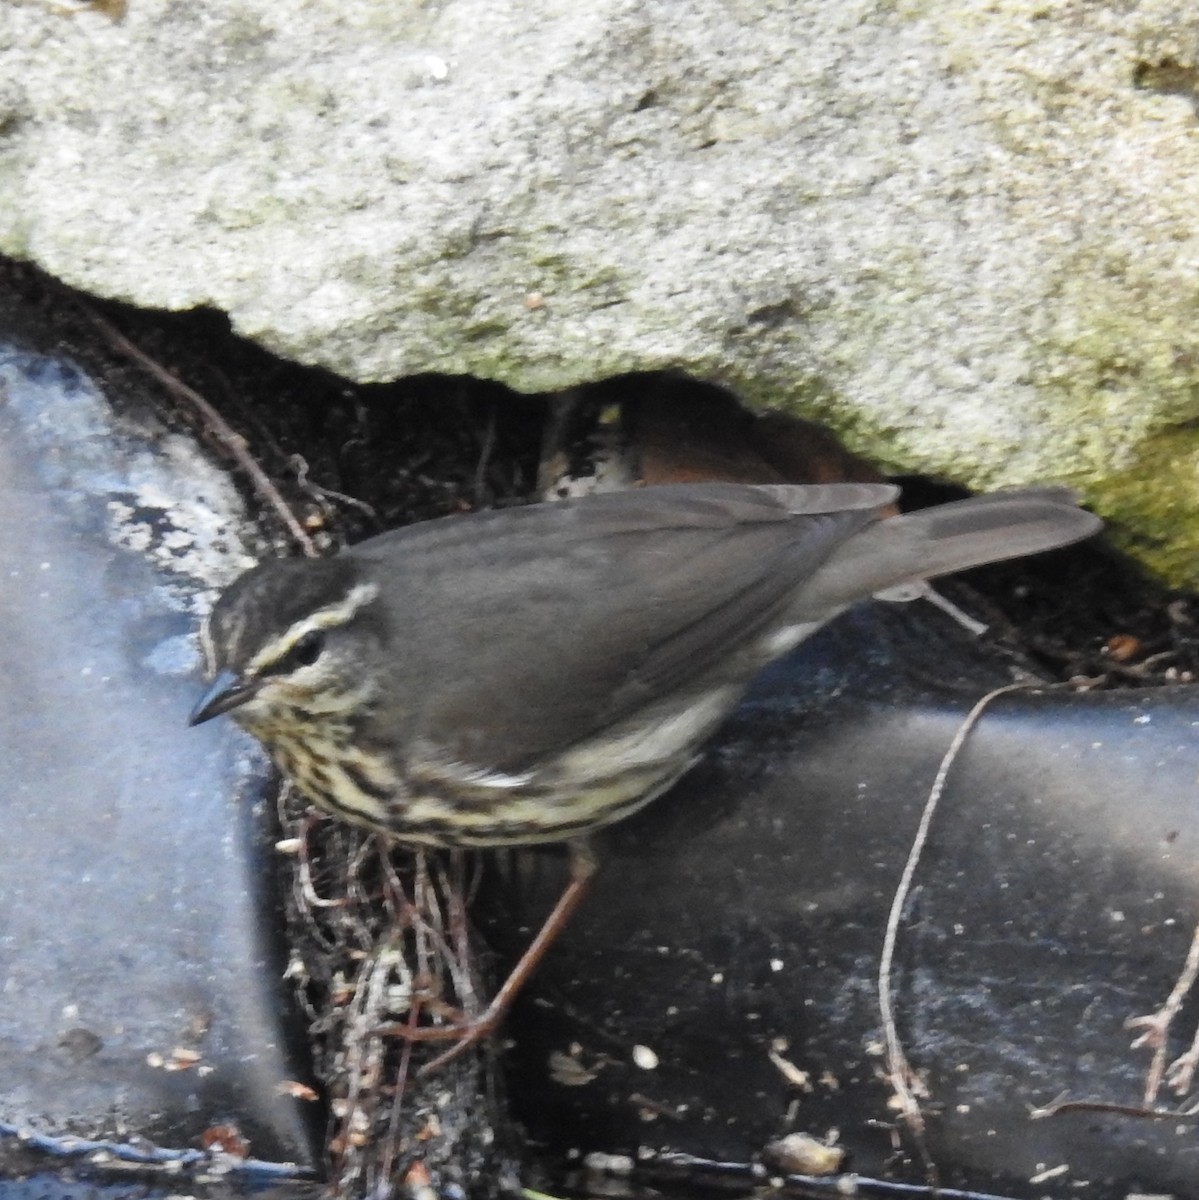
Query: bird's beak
x: 227, y: 691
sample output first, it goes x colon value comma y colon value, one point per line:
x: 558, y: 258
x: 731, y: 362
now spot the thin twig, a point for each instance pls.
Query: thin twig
x: 1157, y: 1025
x: 390, y: 1150
x: 318, y: 491
x: 485, y: 456
x: 1181, y: 1072
x: 1061, y: 1105
x: 233, y: 442
x: 304, y: 875
x: 457, y: 932
x: 899, y: 1071
x: 947, y: 606
x: 409, y: 914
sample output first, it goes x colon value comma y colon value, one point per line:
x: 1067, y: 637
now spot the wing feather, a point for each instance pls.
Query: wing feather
x: 624, y: 598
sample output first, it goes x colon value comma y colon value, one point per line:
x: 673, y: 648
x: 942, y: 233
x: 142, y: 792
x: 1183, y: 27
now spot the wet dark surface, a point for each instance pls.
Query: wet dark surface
x: 1056, y: 898
x: 139, y: 941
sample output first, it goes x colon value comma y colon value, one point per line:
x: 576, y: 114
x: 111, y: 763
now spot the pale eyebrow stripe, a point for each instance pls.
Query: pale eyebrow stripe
x: 326, y: 618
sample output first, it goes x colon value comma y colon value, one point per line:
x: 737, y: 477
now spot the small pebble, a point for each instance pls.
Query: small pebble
x: 645, y: 1058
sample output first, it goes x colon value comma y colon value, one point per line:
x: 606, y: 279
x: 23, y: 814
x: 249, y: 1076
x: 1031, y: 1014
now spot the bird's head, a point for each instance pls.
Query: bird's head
x: 289, y: 635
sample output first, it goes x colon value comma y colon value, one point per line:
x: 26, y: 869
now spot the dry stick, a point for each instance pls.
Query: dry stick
x: 1182, y: 1070
x: 899, y: 1071
x: 1157, y: 1025
x: 415, y: 915
x: 228, y: 436
x: 456, y: 931
x: 304, y: 875
x: 357, y: 1050
x: 392, y: 1142
x: 429, y: 940
x: 1063, y: 1105
x: 299, y: 464
x: 484, y: 456
x: 382, y: 959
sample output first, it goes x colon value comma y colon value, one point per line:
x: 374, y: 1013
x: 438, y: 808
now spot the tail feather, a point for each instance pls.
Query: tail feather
x: 949, y: 537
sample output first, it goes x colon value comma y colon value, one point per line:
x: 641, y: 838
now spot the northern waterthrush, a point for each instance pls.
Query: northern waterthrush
x: 533, y: 674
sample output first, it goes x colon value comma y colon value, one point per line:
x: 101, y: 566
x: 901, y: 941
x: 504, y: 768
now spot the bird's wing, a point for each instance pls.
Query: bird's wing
x: 518, y: 633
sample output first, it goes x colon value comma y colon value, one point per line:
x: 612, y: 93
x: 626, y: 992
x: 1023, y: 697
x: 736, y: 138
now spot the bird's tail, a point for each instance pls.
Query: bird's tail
x: 904, y: 550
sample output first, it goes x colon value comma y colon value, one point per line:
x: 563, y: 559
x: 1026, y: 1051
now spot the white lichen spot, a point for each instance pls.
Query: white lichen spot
x: 175, y: 656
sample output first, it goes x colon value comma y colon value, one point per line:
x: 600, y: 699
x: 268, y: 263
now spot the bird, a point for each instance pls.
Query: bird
x: 532, y: 674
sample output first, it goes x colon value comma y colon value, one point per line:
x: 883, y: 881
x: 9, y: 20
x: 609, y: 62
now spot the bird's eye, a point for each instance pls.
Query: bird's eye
x: 308, y: 649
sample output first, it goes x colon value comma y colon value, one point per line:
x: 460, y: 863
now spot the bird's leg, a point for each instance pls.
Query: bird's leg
x: 582, y: 868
